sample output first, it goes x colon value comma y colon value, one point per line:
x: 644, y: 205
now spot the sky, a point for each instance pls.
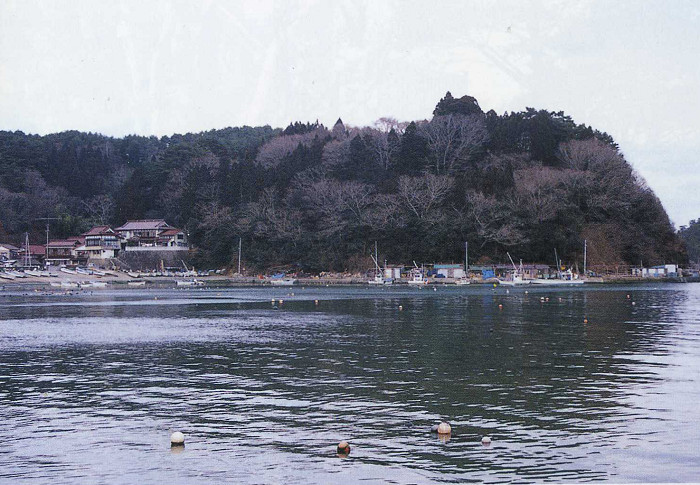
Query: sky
x: 629, y: 68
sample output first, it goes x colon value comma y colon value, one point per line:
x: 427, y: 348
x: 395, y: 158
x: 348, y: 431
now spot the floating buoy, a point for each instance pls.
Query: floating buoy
x: 628, y: 297
x: 500, y: 306
x: 444, y: 428
x: 526, y: 292
x: 560, y: 298
x: 434, y: 289
x: 343, y: 448
x: 273, y: 301
x: 486, y: 441
x: 585, y: 320
x: 507, y: 292
x: 546, y: 299
x: 400, y: 307
x: 177, y: 439
x: 281, y: 301
x: 633, y: 303
x: 316, y: 302
x: 494, y: 285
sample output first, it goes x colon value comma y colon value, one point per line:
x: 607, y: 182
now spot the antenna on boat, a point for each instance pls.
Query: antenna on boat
x: 511, y: 262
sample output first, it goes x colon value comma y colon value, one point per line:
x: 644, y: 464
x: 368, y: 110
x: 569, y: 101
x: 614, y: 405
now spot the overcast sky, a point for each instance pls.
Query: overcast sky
x: 163, y: 67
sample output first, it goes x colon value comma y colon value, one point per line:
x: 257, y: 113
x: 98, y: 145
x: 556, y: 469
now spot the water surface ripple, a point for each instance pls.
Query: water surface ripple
x: 92, y: 385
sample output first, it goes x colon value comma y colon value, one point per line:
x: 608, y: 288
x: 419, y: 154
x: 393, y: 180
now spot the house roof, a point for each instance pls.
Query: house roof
x: 144, y: 224
x: 8, y: 246
x: 63, y: 243
x: 173, y: 231
x: 99, y: 231
x: 37, y: 249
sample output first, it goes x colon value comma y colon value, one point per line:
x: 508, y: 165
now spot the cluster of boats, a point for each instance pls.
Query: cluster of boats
x: 79, y: 284
x: 417, y: 276
x: 13, y: 275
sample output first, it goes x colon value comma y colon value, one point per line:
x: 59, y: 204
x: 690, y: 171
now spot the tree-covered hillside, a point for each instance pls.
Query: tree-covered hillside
x: 690, y: 235
x: 317, y: 198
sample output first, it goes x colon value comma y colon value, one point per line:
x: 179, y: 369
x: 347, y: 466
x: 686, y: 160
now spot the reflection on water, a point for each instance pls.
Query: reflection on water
x: 92, y: 385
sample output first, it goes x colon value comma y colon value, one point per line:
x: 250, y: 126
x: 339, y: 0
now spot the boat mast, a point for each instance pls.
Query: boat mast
x: 376, y: 260
x: 556, y: 260
x: 27, y: 255
x: 240, y: 242
x: 585, y: 250
x: 466, y: 258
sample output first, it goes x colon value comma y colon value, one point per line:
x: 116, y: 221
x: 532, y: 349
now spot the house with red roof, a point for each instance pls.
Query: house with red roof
x: 100, y: 242
x: 61, y: 251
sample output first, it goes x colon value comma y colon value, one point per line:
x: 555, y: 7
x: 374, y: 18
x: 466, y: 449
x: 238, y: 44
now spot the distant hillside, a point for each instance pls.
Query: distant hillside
x: 317, y: 198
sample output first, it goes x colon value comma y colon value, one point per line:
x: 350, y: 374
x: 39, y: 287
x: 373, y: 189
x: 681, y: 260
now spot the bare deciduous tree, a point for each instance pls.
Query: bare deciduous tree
x: 386, y: 124
x: 421, y: 195
x: 272, y: 152
x: 99, y: 209
x: 493, y: 220
x: 453, y: 139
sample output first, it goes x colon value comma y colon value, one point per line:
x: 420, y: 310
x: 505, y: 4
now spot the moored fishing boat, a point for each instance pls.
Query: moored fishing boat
x: 517, y: 277
x: 378, y: 279
x: 282, y: 281
x: 193, y: 282
x: 95, y: 284
x: 417, y: 278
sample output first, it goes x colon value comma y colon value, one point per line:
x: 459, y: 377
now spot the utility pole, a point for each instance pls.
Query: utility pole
x: 46, y: 249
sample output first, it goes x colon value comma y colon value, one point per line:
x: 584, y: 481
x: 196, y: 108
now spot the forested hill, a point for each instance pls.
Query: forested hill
x: 317, y: 198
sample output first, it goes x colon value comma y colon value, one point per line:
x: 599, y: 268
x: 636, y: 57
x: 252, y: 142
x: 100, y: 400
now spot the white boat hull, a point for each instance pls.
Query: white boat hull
x: 190, y: 283
x: 283, y: 282
x: 557, y: 282
x: 513, y: 282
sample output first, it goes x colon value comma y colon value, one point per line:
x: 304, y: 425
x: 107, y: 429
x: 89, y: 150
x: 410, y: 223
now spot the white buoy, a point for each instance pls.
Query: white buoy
x: 633, y: 303
x: 177, y: 439
x: 316, y: 302
x: 400, y: 307
x: 486, y: 441
x: 444, y: 428
x: 526, y: 292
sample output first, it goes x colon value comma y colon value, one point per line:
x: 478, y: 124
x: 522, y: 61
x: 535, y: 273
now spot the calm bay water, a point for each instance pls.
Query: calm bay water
x: 92, y: 385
